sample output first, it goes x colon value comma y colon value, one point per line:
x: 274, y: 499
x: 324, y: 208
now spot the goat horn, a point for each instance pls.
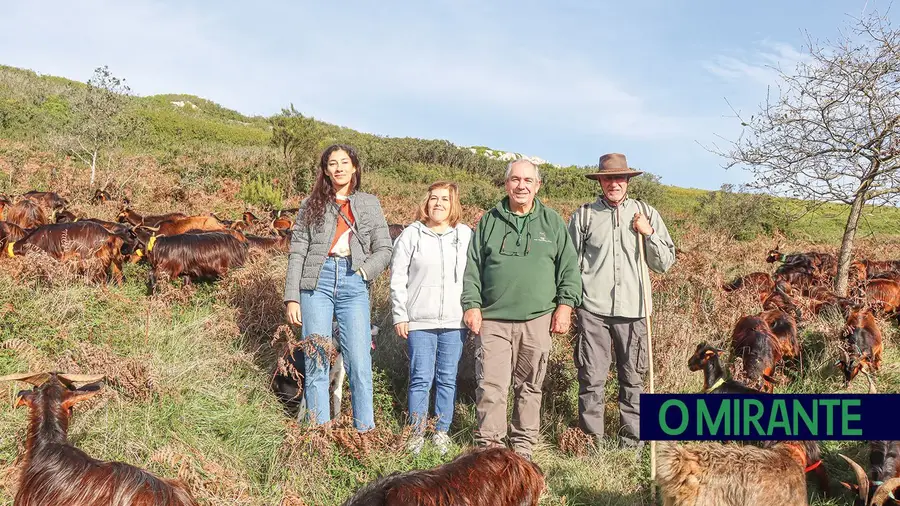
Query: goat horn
x: 861, y: 479
x: 82, y: 378
x: 884, y: 491
x: 35, y: 378
x: 872, y: 389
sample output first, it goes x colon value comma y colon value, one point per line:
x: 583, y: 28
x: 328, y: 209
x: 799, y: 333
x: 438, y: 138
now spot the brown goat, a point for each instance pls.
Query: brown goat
x: 84, y: 240
x: 247, y: 219
x: 784, y: 327
x: 884, y: 464
x: 57, y: 473
x: 482, y: 477
x: 824, y: 264
x: 883, y: 295
x: 100, y: 197
x: 716, y: 474
x: 282, y: 224
x: 814, y: 467
x: 863, y: 269
x: 129, y: 216
x: 862, y: 345
x: 760, y: 351
x: 783, y: 297
x: 207, y: 255
x: 821, y: 298
x: 26, y: 214
x: 268, y: 244
x: 10, y: 232
x: 182, y: 225
x: 715, y: 380
x: 237, y: 234
x: 760, y: 283
x: 394, y: 230
x: 48, y: 200
x: 116, y: 228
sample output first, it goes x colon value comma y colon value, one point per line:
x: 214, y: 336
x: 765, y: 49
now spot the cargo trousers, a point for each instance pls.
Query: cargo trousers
x: 598, y: 337
x: 514, y: 352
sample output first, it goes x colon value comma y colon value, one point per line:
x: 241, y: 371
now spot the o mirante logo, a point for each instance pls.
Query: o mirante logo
x: 701, y: 417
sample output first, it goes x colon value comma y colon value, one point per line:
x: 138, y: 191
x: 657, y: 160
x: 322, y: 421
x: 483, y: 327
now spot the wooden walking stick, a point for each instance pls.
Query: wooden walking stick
x: 646, y: 295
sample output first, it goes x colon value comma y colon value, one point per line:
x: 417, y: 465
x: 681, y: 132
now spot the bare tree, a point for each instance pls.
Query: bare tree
x: 831, y: 134
x: 100, y: 119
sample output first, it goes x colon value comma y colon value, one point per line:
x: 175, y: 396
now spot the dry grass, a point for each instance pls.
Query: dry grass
x: 187, y: 368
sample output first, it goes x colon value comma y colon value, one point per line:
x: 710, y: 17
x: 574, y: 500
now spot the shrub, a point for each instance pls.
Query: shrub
x: 743, y: 216
x: 261, y: 193
x: 647, y: 188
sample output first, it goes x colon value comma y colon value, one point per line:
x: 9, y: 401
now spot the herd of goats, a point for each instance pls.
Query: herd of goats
x: 706, y: 474
x: 174, y: 245
x: 202, y: 247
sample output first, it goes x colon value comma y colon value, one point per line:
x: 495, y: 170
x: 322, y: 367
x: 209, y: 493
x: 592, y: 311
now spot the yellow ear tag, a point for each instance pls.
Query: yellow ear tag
x: 139, y: 253
x: 9, y: 249
x: 151, y: 243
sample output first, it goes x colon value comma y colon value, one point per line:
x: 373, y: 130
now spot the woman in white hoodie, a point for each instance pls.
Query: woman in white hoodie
x: 427, y: 269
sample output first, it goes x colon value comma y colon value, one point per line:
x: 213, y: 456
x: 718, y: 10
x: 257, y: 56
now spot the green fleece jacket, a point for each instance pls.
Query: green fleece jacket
x: 519, y: 275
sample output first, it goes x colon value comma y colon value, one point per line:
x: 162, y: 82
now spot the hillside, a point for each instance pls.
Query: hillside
x: 201, y: 142
x: 187, y: 392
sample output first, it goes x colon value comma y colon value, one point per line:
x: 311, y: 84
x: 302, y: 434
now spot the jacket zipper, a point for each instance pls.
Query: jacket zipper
x: 441, y: 308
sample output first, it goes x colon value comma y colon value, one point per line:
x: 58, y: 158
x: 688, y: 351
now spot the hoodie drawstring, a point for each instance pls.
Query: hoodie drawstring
x: 456, y: 258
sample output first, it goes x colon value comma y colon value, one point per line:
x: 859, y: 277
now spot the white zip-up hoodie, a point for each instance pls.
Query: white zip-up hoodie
x: 427, y: 276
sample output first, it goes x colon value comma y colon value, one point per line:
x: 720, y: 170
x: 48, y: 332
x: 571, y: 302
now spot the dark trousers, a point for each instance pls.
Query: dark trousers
x: 597, y: 338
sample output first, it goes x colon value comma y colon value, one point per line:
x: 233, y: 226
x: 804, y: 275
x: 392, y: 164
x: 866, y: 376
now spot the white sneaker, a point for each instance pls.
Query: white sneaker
x: 442, y: 441
x: 415, y: 444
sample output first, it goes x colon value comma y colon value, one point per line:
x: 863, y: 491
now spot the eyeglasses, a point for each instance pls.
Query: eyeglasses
x: 515, y: 252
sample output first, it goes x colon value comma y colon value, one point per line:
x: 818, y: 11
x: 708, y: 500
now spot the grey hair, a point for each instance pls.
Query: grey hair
x: 537, y: 171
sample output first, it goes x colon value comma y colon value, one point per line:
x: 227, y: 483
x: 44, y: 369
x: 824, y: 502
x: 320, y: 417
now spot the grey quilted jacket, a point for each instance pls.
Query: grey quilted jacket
x: 370, y: 244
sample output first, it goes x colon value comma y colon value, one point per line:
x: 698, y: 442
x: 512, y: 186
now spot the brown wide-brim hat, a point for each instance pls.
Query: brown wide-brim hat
x: 613, y: 164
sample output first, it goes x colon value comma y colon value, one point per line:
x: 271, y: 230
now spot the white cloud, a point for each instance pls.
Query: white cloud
x: 760, y: 67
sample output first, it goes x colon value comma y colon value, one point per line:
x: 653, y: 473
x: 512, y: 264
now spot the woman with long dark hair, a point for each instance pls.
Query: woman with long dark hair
x: 340, y: 244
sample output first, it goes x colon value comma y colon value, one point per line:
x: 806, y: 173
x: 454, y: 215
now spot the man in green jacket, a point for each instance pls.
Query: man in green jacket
x: 521, y: 283
x: 612, y: 315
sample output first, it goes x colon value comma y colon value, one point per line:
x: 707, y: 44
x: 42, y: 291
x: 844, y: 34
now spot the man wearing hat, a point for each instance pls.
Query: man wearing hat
x: 612, y: 315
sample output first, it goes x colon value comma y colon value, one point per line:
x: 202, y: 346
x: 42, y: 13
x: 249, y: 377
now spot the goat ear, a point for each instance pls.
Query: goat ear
x: 850, y: 486
x: 25, y: 398
x: 768, y: 378
x: 80, y: 394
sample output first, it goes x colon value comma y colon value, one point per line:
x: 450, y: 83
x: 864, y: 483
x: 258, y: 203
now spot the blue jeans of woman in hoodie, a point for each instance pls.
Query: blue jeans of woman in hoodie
x: 426, y: 282
x: 434, y: 356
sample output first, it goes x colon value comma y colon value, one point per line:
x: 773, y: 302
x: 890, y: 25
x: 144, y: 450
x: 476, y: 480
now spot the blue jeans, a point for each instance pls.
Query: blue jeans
x: 343, y: 294
x: 433, y: 357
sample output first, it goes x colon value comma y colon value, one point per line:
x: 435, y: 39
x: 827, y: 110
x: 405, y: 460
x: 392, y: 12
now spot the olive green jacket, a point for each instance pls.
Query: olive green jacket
x: 609, y: 258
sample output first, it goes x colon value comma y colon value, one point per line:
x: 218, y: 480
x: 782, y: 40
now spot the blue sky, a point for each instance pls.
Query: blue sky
x: 564, y: 80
